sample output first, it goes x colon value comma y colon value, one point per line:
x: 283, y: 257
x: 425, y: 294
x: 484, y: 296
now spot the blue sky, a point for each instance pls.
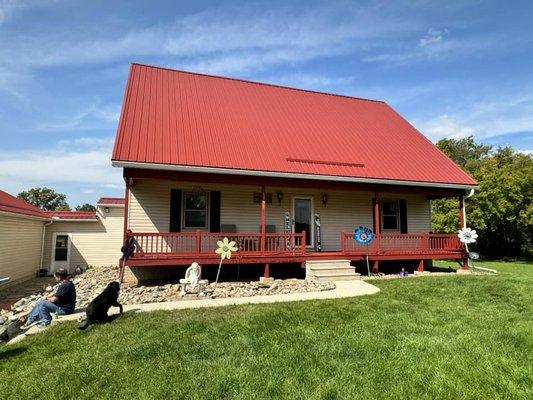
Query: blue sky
x: 451, y: 68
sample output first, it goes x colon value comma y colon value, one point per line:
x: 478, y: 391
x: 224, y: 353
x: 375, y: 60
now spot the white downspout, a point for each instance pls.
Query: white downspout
x: 42, y: 240
x: 472, y: 191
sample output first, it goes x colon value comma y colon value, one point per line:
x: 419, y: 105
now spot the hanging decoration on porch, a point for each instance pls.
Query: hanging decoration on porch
x: 225, y: 248
x: 318, y: 233
x: 287, y: 228
x: 364, y: 235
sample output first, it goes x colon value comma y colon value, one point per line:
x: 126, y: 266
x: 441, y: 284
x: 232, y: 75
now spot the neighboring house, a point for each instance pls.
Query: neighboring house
x: 206, y: 157
x: 21, y: 238
x: 82, y: 238
x: 32, y: 239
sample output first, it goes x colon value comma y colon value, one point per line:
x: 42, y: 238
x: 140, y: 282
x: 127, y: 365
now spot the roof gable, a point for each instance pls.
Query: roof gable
x: 14, y: 205
x: 179, y: 118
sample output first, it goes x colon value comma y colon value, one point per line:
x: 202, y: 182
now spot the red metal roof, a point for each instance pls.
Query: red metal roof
x: 181, y: 118
x: 15, y: 205
x: 111, y: 200
x: 77, y: 215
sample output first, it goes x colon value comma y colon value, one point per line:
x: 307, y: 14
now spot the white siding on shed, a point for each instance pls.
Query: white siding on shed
x: 20, y: 247
x: 93, y: 242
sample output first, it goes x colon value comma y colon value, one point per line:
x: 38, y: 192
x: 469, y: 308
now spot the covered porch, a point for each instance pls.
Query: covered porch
x: 156, y: 225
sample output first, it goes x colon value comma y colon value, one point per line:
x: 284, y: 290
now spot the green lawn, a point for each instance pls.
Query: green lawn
x: 456, y: 337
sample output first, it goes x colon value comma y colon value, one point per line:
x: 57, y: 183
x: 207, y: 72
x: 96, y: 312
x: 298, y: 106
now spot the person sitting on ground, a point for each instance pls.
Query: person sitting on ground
x: 62, y: 302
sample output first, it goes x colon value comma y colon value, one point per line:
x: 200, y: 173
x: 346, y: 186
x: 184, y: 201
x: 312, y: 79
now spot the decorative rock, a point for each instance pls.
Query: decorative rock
x: 17, y: 339
x: 3, y: 320
x: 3, y: 332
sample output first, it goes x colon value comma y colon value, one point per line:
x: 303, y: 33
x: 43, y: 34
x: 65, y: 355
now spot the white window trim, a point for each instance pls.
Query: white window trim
x: 53, y: 251
x: 207, y: 213
x: 293, y: 222
x: 398, y: 228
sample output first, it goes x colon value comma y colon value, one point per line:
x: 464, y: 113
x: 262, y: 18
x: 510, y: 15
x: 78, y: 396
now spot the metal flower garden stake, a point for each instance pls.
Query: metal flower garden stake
x: 364, y: 235
x: 225, y: 248
x: 467, y: 236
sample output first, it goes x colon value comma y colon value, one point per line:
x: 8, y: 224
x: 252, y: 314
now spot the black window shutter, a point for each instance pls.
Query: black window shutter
x: 214, y: 214
x: 175, y: 210
x: 403, y: 216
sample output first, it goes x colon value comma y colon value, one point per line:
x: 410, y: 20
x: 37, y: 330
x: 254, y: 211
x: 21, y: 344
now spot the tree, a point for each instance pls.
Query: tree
x: 502, y: 209
x: 45, y: 198
x: 86, y: 207
x: 464, y: 152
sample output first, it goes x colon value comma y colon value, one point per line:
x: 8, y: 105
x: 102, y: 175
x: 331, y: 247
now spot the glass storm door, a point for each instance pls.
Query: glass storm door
x: 303, y: 212
x: 60, y: 252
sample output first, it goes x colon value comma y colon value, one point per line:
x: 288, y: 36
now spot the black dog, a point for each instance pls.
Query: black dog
x: 97, y: 309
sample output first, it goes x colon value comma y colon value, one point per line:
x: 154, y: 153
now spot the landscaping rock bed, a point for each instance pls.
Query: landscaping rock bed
x: 92, y: 282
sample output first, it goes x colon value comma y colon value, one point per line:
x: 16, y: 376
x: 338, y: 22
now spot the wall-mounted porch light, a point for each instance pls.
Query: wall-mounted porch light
x: 325, y: 199
x: 106, y: 209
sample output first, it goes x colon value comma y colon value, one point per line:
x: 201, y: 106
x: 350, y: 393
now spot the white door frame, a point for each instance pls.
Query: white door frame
x: 53, y: 251
x: 312, y: 217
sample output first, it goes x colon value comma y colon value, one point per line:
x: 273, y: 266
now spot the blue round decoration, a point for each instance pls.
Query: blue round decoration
x: 363, y: 235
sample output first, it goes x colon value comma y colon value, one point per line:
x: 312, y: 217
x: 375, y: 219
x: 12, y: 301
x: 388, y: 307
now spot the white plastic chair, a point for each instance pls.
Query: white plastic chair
x: 192, y: 279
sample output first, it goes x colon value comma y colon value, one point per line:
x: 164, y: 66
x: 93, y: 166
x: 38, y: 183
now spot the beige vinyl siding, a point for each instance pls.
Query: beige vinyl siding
x: 20, y: 247
x: 149, y: 209
x: 92, y: 243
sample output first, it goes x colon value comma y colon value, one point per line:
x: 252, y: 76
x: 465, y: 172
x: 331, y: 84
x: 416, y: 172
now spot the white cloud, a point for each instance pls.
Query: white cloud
x: 433, y: 36
x: 444, y: 126
x: 220, y: 39
x: 84, y: 160
x: 91, y: 117
x: 509, y: 113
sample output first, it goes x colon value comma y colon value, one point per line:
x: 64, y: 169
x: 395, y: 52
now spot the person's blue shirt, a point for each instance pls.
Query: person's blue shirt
x: 66, y: 296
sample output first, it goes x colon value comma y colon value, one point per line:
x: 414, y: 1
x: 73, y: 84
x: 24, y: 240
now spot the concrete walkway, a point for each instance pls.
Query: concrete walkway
x: 343, y: 289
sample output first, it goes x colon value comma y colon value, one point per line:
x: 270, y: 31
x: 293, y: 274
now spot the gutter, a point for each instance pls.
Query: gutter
x: 231, y: 171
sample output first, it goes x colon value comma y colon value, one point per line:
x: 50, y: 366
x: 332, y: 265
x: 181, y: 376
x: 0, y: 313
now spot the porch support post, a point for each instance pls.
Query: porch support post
x: 420, y: 265
x: 462, y: 224
x: 377, y: 224
x: 375, y: 266
x: 462, y: 213
x: 122, y: 262
x: 266, y: 271
x: 263, y: 218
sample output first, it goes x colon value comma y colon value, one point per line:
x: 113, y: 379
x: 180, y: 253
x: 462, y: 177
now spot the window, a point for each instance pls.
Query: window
x: 389, y: 215
x: 195, y: 210
x: 61, y: 250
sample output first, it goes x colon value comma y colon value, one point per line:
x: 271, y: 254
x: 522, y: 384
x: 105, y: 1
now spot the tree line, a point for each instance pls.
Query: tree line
x: 50, y: 200
x: 501, y: 210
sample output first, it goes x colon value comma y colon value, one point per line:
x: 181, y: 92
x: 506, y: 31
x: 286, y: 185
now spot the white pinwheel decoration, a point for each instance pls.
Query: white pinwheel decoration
x: 225, y: 248
x: 467, y: 235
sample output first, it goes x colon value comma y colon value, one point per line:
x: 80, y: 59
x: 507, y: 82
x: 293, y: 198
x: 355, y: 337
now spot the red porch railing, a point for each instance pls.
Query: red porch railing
x: 184, y: 244
x: 403, y: 243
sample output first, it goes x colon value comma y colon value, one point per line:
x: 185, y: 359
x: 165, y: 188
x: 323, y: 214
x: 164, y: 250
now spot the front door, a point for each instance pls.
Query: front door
x: 60, y: 252
x: 303, y: 221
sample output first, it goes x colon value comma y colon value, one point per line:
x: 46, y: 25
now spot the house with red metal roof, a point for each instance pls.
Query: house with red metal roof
x: 32, y: 239
x: 289, y: 174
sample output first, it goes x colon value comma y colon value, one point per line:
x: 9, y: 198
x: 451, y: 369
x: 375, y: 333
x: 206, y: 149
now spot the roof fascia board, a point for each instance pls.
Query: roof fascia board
x: 26, y: 216
x: 230, y: 171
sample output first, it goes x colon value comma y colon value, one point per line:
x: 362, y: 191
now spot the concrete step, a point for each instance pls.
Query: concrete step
x: 332, y: 267
x: 349, y: 277
x: 330, y: 270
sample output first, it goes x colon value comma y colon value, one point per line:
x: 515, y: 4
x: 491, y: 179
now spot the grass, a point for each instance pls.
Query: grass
x: 456, y: 337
